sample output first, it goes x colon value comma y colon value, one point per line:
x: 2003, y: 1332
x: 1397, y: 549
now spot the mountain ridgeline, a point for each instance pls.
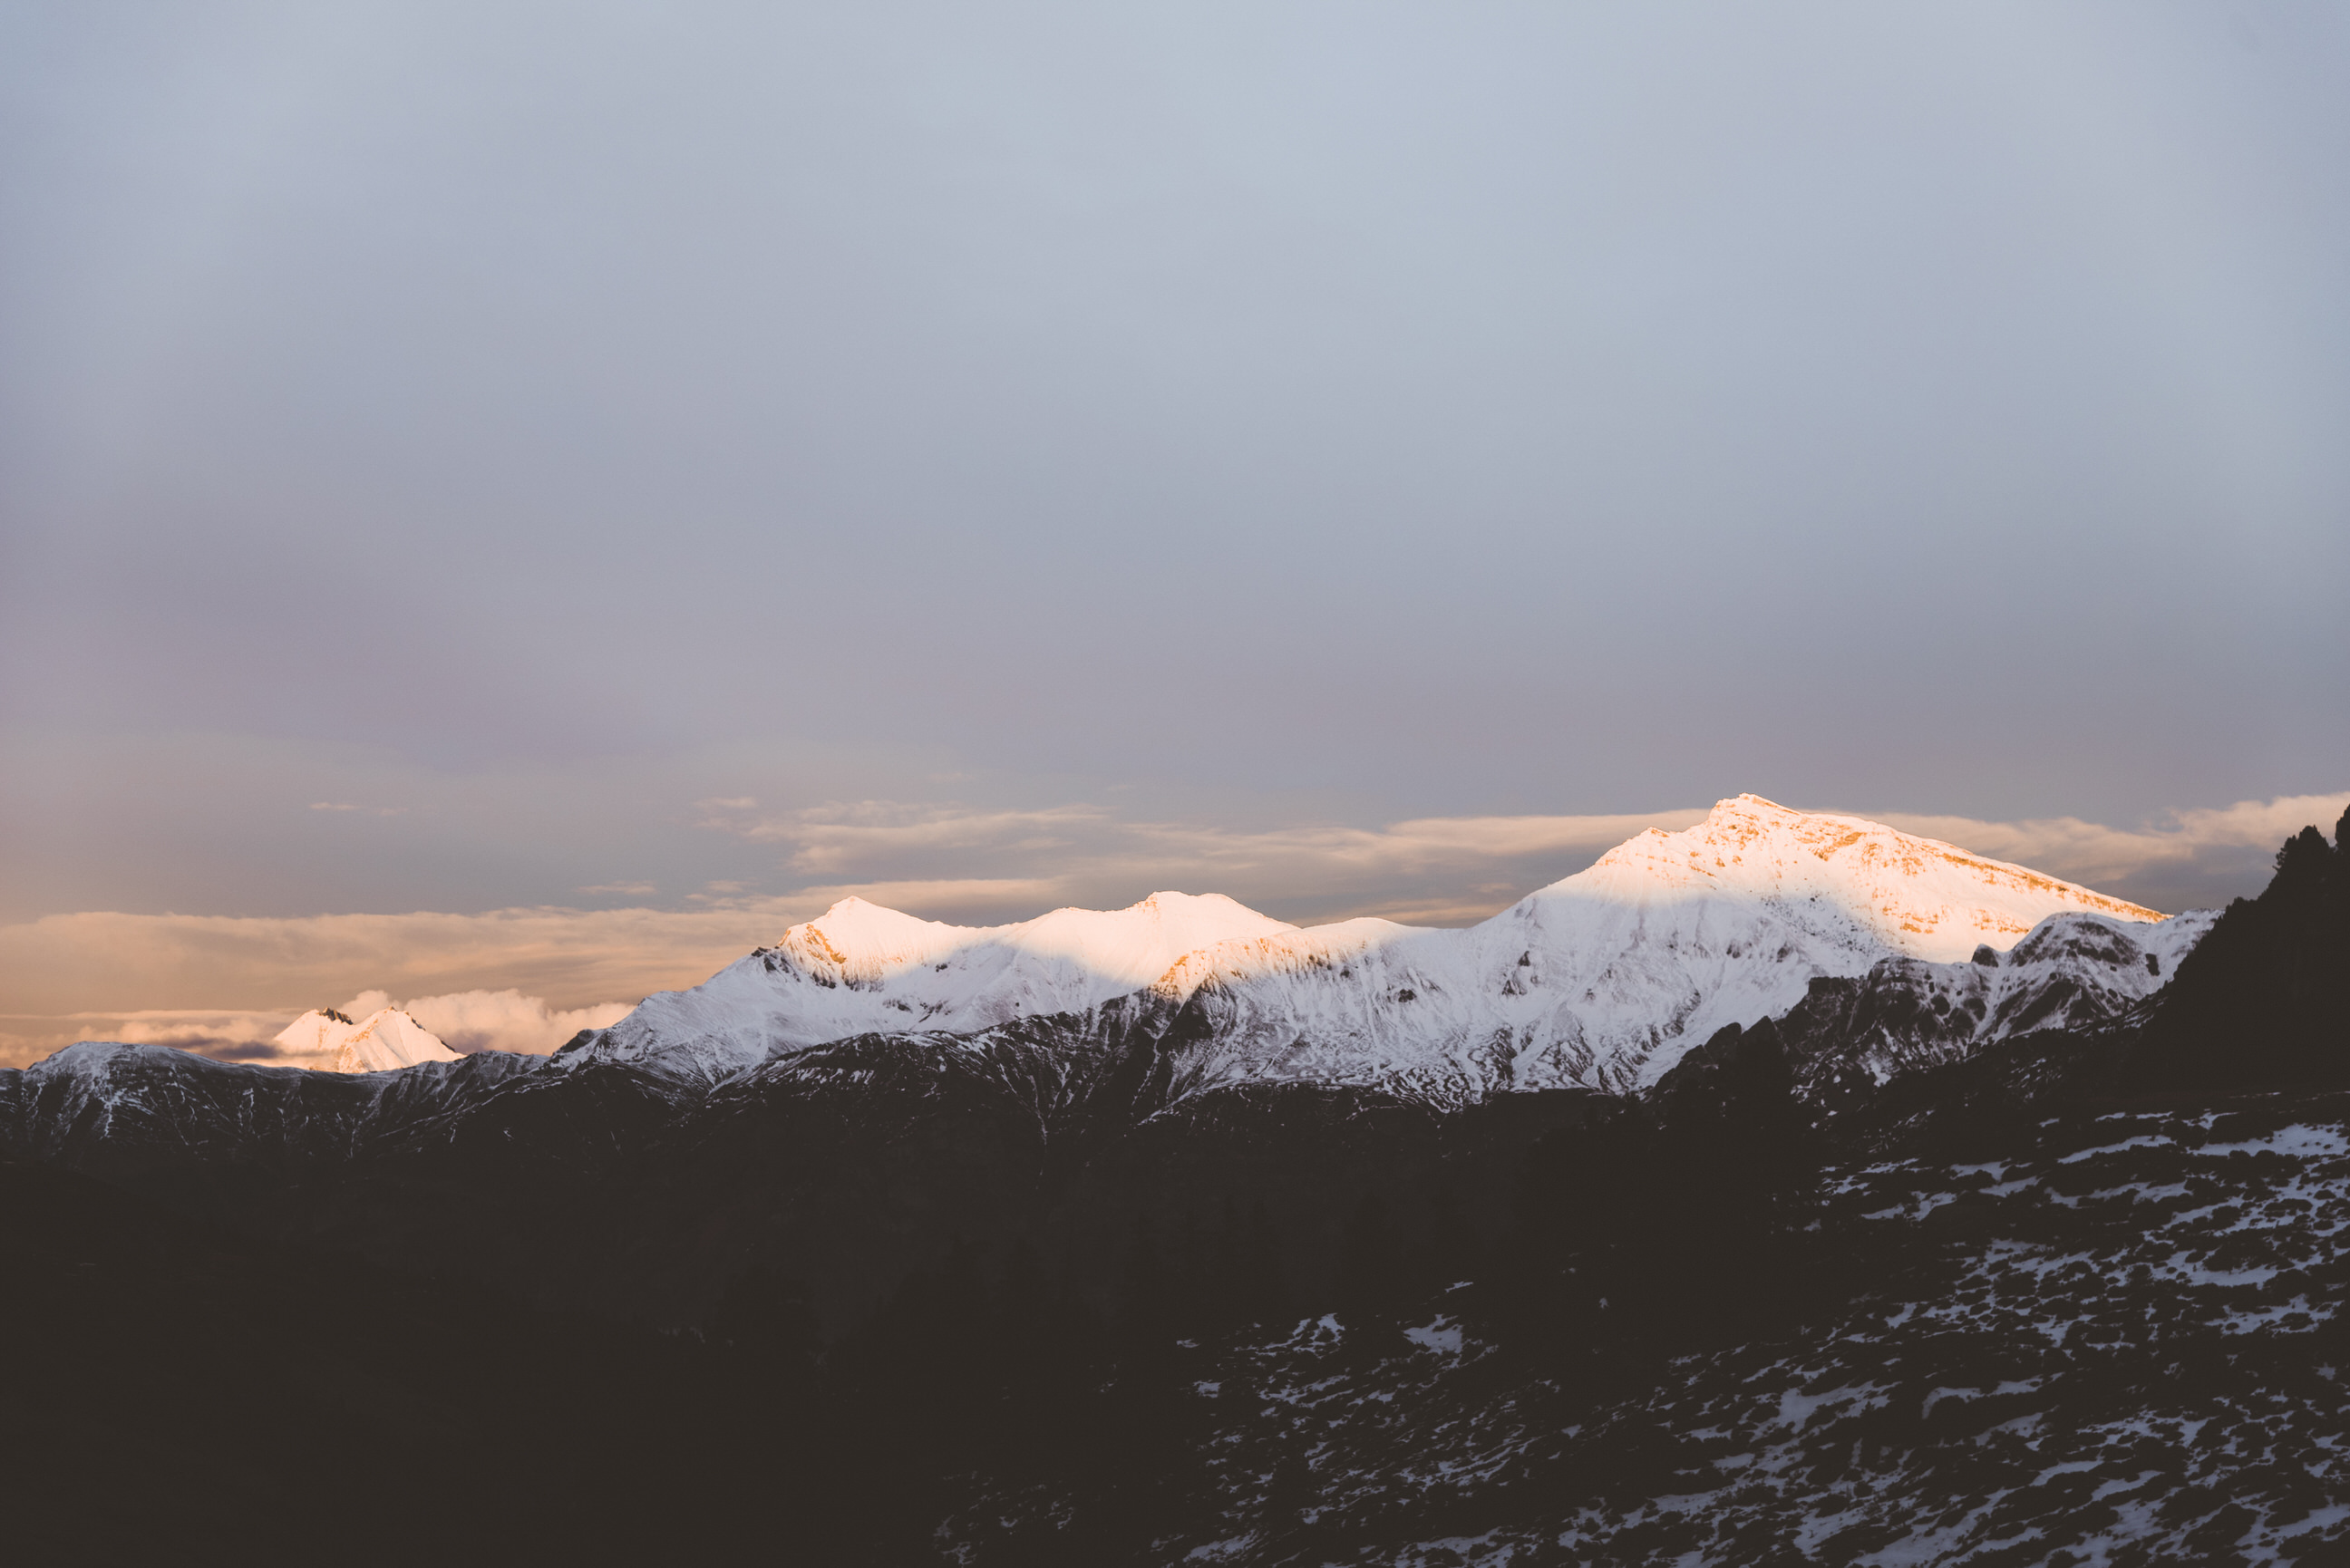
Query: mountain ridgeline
x: 1056, y: 1231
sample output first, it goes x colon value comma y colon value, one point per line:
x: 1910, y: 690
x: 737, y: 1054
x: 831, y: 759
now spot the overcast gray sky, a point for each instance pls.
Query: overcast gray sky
x: 443, y: 449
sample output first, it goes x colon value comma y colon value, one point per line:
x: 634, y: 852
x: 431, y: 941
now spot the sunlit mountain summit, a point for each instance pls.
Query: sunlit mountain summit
x: 1602, y: 979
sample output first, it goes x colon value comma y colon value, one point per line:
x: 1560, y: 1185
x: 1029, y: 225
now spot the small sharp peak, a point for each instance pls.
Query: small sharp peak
x: 390, y: 1038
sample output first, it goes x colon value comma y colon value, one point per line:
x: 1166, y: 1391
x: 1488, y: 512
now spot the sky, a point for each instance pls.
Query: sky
x: 522, y: 501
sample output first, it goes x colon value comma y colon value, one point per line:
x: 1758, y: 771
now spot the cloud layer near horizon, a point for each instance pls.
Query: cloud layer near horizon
x: 467, y: 1022
x: 2170, y: 850
x: 216, y: 983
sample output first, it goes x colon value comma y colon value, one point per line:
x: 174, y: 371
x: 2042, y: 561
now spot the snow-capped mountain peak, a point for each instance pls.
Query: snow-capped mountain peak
x: 1921, y: 898
x: 862, y: 944
x: 859, y: 942
x: 386, y: 1040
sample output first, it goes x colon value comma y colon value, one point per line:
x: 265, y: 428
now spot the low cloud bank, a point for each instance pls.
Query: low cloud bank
x: 466, y: 1021
x: 528, y: 979
x: 2195, y: 857
x: 471, y: 1020
x: 941, y: 856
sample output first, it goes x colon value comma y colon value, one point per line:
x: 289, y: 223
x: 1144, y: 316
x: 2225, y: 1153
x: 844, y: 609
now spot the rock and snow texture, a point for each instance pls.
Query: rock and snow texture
x: 386, y: 1040
x: 1602, y: 979
x: 1607, y: 977
x: 102, y: 1105
x: 2072, y: 971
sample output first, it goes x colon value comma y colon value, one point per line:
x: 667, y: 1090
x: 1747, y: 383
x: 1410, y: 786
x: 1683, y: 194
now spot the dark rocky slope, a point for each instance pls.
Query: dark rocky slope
x: 2124, y: 1345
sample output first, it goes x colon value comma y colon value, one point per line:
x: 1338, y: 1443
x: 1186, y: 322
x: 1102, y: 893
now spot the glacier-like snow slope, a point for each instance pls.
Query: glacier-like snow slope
x: 385, y: 1041
x: 1602, y: 979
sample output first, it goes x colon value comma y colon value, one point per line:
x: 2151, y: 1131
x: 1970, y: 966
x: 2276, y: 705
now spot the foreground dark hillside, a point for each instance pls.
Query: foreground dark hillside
x: 177, y: 1393
x: 848, y: 1168
x: 2126, y: 1342
x: 2126, y: 1346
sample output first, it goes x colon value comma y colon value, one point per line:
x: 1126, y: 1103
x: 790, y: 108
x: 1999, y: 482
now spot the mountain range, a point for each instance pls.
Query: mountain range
x: 1881, y: 951
x: 1598, y: 980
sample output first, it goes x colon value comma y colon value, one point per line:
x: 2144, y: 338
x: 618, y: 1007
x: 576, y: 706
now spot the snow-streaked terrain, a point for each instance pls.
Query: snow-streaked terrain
x: 1601, y: 979
x: 103, y: 1106
x: 2072, y: 971
x: 2128, y: 1352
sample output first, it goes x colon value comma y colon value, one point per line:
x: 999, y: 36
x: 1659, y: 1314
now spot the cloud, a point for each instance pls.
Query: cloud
x: 469, y: 1021
x: 980, y: 899
x: 235, y: 1034
x: 61, y: 964
x: 837, y: 837
x: 2196, y: 855
x: 1418, y: 846
x: 1087, y: 845
x: 628, y: 889
x: 466, y: 1021
x: 350, y: 805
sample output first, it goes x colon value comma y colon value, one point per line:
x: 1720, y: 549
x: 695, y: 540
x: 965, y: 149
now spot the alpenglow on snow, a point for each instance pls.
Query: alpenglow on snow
x: 1603, y: 979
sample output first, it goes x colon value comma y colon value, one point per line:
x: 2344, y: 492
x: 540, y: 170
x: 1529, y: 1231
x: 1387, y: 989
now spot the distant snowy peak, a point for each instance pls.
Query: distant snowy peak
x: 1919, y: 896
x: 385, y: 1041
